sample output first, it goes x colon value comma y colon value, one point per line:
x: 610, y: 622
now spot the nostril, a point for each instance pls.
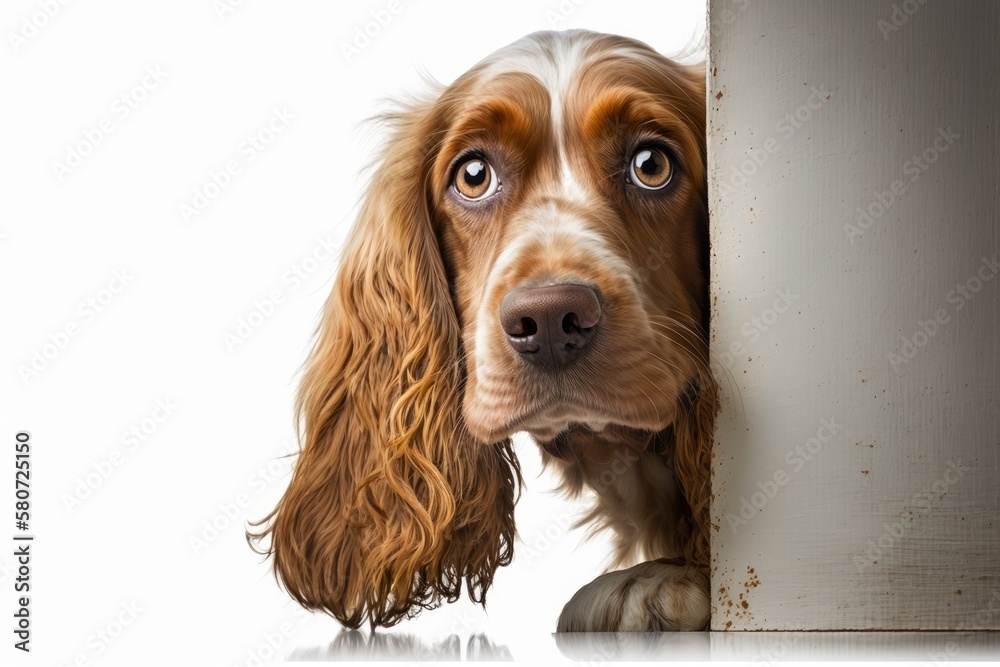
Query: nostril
x: 549, y: 326
x: 521, y: 328
x: 574, y: 336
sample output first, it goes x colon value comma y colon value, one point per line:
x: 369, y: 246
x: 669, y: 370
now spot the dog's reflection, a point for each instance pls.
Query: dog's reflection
x: 602, y: 647
x: 384, y: 646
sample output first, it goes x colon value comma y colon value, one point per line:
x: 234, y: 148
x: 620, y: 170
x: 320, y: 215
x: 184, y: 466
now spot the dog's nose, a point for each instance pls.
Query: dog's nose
x: 550, y: 326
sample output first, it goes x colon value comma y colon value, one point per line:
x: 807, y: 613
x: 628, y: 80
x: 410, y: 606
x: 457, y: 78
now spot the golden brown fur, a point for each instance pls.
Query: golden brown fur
x: 405, y: 486
x: 390, y: 505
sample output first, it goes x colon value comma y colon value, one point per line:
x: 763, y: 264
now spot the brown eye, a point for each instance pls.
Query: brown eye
x: 650, y: 168
x: 475, y: 179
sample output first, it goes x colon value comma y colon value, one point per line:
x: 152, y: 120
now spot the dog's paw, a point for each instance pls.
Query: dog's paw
x: 650, y: 597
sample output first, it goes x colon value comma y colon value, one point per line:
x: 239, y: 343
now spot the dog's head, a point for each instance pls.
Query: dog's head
x: 568, y: 194
x: 529, y: 257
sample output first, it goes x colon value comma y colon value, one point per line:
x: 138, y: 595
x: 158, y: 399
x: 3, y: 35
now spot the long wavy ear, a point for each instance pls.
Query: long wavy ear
x: 391, y: 506
x: 693, y: 440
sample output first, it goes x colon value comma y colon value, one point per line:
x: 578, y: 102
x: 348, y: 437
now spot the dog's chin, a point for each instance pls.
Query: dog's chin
x: 549, y: 423
x: 546, y: 433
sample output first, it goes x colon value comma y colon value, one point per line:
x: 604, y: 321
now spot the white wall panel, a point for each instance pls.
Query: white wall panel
x: 855, y: 248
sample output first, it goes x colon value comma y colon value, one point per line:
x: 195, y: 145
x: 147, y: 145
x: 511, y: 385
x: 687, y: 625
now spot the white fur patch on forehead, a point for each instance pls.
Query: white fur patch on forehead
x: 554, y: 58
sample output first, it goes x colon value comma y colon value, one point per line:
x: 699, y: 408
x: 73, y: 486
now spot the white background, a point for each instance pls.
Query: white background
x: 188, y: 283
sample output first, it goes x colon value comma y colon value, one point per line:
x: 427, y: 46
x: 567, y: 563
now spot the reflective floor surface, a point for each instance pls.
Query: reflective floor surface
x: 755, y: 647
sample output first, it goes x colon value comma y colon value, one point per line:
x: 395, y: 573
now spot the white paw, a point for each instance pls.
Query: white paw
x: 649, y: 597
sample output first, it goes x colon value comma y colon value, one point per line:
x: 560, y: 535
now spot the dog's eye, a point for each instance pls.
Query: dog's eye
x: 475, y: 179
x: 650, y: 168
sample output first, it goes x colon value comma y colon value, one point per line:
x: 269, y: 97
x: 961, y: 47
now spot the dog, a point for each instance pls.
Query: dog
x: 531, y: 255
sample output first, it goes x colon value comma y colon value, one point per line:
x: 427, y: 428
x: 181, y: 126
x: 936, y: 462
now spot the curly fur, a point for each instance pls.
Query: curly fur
x: 405, y: 486
x: 391, y: 505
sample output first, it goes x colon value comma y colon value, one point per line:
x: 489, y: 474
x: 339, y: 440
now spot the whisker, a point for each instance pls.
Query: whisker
x: 687, y: 344
x: 706, y: 366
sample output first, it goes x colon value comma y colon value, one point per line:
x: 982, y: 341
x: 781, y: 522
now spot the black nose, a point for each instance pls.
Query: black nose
x: 550, y: 326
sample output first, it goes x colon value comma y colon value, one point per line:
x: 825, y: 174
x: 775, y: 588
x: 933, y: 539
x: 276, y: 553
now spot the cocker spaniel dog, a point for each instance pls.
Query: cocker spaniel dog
x: 531, y: 255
